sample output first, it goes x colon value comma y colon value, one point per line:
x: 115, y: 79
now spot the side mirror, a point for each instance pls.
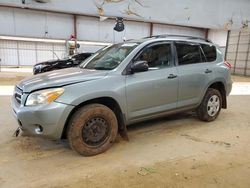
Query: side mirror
x: 139, y: 66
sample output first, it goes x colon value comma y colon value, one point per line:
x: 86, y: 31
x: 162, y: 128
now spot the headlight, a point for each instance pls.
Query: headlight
x: 41, y: 66
x: 44, y: 96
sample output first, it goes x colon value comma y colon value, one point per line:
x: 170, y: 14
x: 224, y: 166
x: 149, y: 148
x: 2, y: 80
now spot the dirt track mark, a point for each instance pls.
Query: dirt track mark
x: 221, y: 143
x: 193, y: 138
x: 216, y: 142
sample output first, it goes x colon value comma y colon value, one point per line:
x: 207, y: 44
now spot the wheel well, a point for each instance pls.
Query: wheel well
x: 107, y: 101
x: 221, y: 88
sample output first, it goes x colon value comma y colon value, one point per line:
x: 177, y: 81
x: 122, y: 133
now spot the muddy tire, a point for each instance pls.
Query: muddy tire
x: 92, y: 129
x: 210, y: 106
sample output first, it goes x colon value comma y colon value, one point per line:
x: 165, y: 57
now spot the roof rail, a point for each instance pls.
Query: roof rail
x: 184, y: 36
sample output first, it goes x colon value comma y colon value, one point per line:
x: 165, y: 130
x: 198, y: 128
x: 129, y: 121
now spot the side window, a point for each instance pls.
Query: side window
x: 157, y: 56
x: 209, y: 51
x: 188, y: 53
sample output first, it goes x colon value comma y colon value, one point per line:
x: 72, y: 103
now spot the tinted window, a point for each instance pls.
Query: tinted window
x: 157, y: 56
x: 80, y: 57
x: 209, y: 51
x: 188, y: 53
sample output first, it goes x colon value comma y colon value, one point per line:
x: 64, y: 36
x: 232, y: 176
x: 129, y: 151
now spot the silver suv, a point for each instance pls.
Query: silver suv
x: 122, y: 84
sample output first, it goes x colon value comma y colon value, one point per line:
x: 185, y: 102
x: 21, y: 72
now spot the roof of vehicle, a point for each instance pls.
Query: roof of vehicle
x: 173, y: 37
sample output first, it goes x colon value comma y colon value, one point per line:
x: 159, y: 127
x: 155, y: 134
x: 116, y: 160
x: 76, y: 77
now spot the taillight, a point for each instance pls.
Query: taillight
x: 228, y: 64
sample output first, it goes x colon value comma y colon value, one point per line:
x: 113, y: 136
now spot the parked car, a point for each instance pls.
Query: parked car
x: 70, y: 61
x: 122, y: 84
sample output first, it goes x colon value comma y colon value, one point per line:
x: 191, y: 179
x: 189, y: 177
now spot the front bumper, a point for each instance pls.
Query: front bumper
x: 42, y: 120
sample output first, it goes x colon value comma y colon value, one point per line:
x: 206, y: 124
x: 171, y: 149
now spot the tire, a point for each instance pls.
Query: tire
x: 92, y: 129
x: 210, y: 106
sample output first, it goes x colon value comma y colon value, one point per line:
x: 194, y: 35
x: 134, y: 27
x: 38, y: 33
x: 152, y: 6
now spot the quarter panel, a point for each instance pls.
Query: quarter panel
x: 192, y: 82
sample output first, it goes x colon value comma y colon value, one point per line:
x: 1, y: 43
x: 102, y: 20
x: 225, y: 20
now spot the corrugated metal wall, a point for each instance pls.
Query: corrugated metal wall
x: 39, y: 24
x: 238, y: 52
x: 92, y: 29
x: 28, y: 23
x: 22, y: 53
x: 160, y: 29
x: 201, y: 13
x: 218, y: 37
x: 19, y: 53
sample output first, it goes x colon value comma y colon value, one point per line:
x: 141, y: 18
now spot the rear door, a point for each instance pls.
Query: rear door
x: 194, y: 73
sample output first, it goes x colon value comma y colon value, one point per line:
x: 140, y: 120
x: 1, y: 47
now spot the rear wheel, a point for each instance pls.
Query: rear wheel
x: 92, y: 129
x: 210, y: 107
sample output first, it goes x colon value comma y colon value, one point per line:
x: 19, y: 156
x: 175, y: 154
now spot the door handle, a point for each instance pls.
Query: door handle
x: 208, y: 71
x: 171, y: 76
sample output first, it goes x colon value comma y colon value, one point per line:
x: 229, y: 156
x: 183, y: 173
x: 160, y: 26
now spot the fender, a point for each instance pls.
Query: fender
x: 216, y: 80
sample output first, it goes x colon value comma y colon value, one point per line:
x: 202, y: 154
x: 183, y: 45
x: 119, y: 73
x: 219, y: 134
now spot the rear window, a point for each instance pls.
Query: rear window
x: 209, y: 51
x: 188, y: 53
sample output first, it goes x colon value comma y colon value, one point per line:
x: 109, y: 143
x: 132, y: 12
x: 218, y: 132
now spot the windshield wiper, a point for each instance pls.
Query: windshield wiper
x: 96, y: 68
x: 102, y: 68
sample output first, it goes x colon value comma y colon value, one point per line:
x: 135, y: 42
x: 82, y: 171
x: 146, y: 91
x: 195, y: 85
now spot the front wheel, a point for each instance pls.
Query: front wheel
x: 92, y: 129
x: 210, y: 106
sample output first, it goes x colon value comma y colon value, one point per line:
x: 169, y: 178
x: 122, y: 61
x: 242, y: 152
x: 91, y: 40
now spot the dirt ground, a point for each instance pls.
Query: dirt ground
x: 172, y: 152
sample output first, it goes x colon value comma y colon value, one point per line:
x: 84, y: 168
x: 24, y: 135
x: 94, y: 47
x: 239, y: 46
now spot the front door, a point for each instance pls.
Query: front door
x: 155, y: 90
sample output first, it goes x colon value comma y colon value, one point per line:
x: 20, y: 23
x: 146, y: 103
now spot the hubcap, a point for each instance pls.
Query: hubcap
x: 95, y: 131
x: 213, y: 105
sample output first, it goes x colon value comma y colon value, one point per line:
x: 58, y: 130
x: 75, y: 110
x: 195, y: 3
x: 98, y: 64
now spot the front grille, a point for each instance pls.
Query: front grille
x: 18, y: 95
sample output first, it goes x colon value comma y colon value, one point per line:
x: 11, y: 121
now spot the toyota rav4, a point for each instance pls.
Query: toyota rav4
x: 122, y: 84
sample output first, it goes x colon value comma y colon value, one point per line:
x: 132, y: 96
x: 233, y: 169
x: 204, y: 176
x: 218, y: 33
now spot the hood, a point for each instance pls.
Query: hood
x: 50, y: 62
x: 60, y: 78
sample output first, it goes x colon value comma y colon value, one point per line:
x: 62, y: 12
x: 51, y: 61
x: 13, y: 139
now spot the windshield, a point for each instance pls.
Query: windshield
x: 109, y: 57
